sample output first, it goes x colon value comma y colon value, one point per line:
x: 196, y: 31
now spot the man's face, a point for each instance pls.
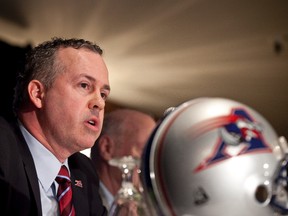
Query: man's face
x: 74, y: 106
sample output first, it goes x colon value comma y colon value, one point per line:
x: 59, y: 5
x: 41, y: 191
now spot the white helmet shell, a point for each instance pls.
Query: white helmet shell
x: 214, y: 157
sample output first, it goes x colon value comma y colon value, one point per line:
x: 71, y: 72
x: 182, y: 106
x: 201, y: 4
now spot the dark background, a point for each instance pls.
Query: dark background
x: 11, y: 60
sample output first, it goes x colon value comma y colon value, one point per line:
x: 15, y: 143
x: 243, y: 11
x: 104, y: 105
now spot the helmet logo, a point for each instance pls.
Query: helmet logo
x: 238, y: 133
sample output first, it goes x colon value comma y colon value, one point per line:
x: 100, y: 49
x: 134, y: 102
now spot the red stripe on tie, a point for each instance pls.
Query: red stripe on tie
x: 64, y: 193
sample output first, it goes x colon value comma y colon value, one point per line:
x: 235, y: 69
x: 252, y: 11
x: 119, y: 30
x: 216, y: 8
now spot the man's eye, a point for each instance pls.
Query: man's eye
x: 84, y: 85
x: 104, y: 96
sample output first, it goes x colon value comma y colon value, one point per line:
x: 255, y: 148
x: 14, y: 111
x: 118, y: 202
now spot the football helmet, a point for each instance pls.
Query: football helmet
x: 215, y: 157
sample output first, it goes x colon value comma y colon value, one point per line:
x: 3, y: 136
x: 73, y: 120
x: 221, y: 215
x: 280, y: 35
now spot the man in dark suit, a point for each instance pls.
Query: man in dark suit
x: 59, y: 107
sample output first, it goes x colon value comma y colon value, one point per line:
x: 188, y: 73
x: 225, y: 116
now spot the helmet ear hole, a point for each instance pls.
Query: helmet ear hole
x: 261, y: 194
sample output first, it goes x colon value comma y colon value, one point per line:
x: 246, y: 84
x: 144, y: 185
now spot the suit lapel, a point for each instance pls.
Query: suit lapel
x: 30, y: 169
x: 32, y: 178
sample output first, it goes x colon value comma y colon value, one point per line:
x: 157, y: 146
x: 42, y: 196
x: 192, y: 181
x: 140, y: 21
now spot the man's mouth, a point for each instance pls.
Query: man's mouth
x: 91, y: 122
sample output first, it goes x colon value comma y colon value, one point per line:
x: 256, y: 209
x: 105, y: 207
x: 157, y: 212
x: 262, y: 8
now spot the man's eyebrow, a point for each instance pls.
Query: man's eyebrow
x: 107, y: 87
x: 92, y: 79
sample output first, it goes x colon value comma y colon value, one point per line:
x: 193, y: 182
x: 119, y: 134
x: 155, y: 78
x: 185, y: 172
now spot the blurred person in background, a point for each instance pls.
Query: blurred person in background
x: 125, y: 133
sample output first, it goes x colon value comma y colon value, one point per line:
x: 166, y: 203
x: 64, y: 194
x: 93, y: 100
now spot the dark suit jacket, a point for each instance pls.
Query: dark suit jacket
x: 19, y: 188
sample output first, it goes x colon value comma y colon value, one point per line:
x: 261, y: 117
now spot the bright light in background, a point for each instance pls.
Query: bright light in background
x: 86, y: 152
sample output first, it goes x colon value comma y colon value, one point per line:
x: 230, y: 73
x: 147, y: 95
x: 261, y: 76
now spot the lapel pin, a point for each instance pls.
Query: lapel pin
x: 78, y: 183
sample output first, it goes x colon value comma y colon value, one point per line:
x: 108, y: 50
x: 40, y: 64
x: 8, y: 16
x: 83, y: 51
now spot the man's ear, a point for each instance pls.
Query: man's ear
x: 106, y: 147
x: 36, y: 93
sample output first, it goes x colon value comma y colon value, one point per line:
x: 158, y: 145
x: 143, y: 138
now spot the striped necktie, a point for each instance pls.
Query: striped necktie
x: 64, y: 193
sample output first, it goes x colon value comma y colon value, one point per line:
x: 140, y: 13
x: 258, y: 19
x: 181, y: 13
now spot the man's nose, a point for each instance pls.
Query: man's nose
x: 97, y: 103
